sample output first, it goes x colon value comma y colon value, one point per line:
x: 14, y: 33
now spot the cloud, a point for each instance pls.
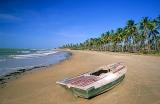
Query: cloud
x: 9, y: 17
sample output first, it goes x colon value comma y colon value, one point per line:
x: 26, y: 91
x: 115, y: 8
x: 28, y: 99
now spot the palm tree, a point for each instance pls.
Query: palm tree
x: 116, y: 38
x: 157, y: 20
x: 154, y: 34
x: 158, y: 28
x: 103, y: 35
x: 105, y: 39
x: 130, y: 33
x: 120, y: 36
x: 93, y: 43
x: 125, y: 37
x: 144, y: 27
x: 111, y: 40
x: 132, y: 37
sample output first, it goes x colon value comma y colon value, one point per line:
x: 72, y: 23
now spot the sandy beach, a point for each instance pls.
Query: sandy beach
x: 140, y: 86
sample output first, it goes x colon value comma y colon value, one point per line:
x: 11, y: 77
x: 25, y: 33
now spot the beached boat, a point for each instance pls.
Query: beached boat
x: 95, y: 82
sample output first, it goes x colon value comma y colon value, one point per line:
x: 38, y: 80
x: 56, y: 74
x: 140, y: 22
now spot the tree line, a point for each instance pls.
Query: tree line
x: 143, y: 36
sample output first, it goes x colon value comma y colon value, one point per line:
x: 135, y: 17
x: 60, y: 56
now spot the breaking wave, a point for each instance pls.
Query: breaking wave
x: 33, y: 55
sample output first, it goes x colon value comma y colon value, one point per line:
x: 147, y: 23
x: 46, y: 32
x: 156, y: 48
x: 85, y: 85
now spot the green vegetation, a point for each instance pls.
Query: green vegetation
x: 142, y: 37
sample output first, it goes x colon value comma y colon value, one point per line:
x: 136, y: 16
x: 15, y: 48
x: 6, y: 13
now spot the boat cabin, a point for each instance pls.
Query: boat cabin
x: 99, y: 72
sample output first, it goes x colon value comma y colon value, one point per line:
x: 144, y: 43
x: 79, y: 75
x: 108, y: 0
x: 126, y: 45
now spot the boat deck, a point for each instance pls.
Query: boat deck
x: 82, y: 81
x: 87, y: 79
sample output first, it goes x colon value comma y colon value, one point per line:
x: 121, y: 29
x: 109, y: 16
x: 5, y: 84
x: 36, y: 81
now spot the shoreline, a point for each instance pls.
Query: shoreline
x: 141, y: 84
x: 18, y: 73
x: 4, y: 79
x: 114, y: 53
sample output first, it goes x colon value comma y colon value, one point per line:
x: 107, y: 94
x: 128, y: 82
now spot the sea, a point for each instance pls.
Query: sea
x: 12, y: 60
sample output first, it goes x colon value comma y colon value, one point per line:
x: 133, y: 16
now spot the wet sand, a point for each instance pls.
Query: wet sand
x: 140, y: 86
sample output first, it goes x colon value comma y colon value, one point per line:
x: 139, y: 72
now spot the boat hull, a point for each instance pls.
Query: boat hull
x: 91, y: 92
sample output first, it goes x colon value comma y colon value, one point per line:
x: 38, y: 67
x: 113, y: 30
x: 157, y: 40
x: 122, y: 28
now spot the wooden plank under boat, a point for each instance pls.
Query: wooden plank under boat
x: 95, y: 82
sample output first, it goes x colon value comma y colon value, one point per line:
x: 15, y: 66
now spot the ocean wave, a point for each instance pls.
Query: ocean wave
x: 20, y: 62
x: 32, y: 55
x: 24, y: 52
x: 1, y: 60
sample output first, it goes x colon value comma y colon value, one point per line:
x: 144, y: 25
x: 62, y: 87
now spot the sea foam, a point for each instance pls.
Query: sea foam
x: 33, y: 55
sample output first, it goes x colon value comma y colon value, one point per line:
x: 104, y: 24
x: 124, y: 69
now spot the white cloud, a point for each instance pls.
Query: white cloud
x: 9, y: 17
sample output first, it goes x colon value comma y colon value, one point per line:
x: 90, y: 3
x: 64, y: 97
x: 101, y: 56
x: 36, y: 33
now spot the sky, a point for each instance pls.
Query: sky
x: 52, y: 23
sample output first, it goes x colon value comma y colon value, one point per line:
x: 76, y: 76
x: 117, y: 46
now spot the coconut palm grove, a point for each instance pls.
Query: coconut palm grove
x: 141, y: 37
